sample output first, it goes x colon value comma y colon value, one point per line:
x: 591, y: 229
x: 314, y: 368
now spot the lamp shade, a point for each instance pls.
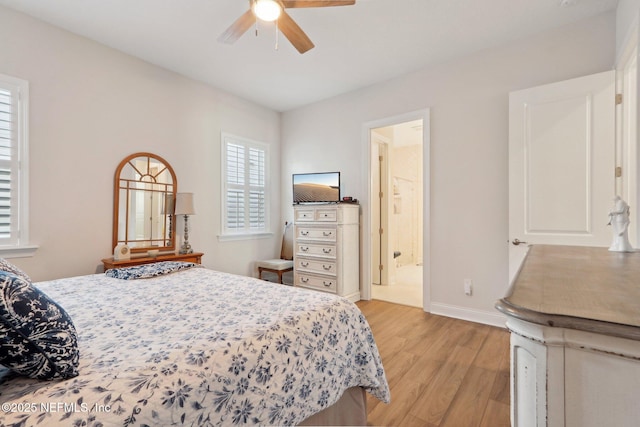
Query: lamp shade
x: 184, y: 204
x: 167, y: 208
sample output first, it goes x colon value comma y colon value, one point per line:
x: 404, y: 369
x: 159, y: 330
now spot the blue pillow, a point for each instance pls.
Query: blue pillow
x: 37, y: 337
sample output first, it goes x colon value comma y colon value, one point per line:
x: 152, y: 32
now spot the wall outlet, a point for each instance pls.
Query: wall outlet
x: 468, y: 286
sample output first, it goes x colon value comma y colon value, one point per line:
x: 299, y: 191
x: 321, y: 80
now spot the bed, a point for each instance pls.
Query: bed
x: 201, y: 347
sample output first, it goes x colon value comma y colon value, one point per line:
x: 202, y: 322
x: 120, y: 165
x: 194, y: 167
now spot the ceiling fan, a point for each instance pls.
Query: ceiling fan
x: 274, y: 10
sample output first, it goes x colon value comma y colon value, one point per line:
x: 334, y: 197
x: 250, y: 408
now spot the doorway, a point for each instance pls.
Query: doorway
x: 397, y: 212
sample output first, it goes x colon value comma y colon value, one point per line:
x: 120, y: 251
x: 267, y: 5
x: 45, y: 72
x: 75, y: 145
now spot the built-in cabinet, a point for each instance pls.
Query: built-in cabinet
x: 327, y: 248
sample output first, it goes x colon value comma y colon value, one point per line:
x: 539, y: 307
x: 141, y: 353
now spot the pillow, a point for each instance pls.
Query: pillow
x: 10, y: 268
x: 145, y: 271
x: 37, y: 337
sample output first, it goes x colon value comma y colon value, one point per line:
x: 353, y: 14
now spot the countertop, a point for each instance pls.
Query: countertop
x: 576, y: 287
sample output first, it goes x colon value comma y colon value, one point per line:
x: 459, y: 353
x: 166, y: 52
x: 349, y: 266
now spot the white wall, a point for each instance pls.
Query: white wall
x: 468, y: 100
x: 626, y: 20
x: 90, y: 106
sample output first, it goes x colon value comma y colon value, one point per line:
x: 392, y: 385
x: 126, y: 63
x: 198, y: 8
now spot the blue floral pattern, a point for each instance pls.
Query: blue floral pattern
x: 201, y: 347
x: 37, y: 337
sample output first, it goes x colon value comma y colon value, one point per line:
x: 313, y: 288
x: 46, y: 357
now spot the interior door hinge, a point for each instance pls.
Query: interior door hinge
x: 381, y: 267
x: 380, y: 230
x: 618, y: 171
x: 381, y: 194
x: 618, y: 98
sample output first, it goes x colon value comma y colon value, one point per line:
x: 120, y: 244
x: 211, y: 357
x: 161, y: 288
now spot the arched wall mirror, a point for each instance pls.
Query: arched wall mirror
x: 143, y: 203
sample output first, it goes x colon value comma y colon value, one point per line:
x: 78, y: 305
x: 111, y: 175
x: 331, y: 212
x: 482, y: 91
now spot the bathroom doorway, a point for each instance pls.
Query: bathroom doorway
x: 397, y: 212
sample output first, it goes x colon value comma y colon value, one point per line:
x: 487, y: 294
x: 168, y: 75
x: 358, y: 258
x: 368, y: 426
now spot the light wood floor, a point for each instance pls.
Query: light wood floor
x: 441, y: 371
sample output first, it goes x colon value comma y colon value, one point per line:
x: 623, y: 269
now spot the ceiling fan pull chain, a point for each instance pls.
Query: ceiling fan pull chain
x: 276, y: 34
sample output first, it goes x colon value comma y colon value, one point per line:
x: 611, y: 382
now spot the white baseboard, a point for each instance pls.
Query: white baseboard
x: 472, y: 315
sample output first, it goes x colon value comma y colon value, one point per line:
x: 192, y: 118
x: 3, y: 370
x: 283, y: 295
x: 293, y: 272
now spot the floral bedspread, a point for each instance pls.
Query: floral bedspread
x: 198, y: 348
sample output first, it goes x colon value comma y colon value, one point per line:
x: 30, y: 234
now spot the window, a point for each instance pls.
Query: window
x: 245, y: 201
x: 14, y: 231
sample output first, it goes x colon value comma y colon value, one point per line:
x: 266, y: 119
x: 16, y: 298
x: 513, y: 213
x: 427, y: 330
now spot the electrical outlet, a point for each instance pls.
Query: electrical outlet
x: 468, y: 286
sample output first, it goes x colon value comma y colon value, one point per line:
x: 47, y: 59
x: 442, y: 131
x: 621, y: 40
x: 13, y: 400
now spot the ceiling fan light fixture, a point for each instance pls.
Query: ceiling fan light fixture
x: 267, y: 10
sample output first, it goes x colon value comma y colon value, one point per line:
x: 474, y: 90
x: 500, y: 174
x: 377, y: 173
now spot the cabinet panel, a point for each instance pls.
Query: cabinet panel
x: 604, y: 381
x: 525, y: 386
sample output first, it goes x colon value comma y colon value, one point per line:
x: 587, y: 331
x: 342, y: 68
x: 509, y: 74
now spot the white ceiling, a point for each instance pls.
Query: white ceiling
x: 356, y: 46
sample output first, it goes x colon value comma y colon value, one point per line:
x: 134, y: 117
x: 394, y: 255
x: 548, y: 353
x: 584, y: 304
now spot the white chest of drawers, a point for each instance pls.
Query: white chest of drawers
x: 327, y: 248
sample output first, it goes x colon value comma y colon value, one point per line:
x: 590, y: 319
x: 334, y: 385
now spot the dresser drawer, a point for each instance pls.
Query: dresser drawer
x: 302, y: 215
x: 326, y: 215
x: 316, y: 266
x: 327, y: 284
x: 308, y: 233
x: 324, y: 251
x: 316, y: 215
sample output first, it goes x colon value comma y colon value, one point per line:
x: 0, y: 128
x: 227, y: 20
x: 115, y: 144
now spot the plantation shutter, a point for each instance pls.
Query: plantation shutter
x: 256, y: 189
x: 9, y: 166
x: 235, y: 186
x: 245, y: 186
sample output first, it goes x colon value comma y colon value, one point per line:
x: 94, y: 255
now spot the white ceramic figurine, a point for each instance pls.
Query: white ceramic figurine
x: 619, y: 221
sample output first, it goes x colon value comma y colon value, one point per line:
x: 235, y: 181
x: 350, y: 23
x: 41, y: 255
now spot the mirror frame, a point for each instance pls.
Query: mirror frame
x: 116, y: 203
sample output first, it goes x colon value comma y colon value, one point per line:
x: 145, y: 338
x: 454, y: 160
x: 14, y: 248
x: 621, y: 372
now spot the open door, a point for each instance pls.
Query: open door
x: 561, y: 164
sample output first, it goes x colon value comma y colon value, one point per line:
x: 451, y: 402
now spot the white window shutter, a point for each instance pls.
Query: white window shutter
x: 9, y: 165
x: 245, y: 190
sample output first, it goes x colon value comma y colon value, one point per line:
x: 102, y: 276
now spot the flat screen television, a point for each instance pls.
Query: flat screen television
x: 322, y: 187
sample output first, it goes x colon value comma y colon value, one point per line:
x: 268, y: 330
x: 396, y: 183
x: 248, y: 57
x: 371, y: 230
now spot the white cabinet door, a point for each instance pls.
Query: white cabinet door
x: 561, y: 164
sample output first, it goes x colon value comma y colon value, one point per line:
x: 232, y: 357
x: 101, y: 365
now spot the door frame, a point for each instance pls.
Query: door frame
x: 381, y: 218
x: 367, y: 178
x: 627, y: 146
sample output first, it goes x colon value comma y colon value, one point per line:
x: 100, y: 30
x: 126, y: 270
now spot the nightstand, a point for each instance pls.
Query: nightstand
x: 193, y: 257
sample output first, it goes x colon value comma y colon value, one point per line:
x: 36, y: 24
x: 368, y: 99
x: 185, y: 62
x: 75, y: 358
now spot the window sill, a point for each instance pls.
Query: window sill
x: 18, y: 251
x: 244, y: 236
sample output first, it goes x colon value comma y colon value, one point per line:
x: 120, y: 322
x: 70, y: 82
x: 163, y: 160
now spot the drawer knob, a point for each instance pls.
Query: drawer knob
x: 304, y: 279
x: 304, y: 248
x: 326, y: 267
x: 304, y: 264
x: 327, y: 284
x: 326, y: 250
x: 327, y: 233
x: 304, y: 233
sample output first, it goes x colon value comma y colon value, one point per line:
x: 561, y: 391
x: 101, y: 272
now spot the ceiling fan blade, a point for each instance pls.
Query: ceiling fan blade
x: 294, y: 33
x: 316, y: 3
x: 238, y: 28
